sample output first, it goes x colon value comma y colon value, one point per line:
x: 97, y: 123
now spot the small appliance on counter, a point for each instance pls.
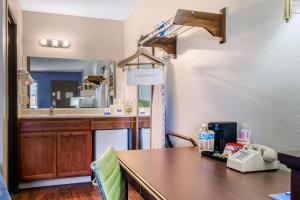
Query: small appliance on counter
x: 86, y: 102
x: 144, y: 138
x: 225, y: 132
x: 118, y: 139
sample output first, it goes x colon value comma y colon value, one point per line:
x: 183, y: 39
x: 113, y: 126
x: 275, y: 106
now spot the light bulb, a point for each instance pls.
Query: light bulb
x: 66, y: 43
x: 55, y: 43
x: 43, y: 42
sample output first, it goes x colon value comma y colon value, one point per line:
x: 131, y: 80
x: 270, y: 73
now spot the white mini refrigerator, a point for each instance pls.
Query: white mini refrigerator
x: 118, y: 139
x: 144, y: 138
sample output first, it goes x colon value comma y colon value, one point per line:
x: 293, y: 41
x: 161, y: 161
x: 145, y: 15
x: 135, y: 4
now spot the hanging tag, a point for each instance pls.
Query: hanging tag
x: 145, y: 76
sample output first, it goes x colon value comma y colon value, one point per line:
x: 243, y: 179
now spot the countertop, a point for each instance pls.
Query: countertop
x: 75, y: 113
x: 60, y: 116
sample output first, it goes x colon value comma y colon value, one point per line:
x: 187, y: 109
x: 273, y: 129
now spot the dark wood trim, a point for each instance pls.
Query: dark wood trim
x: 223, y: 36
x: 13, y: 142
x: 143, y: 122
x: 28, y: 65
x: 292, y: 160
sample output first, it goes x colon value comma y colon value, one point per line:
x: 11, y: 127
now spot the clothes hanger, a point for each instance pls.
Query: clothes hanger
x: 87, y: 84
x: 141, y: 52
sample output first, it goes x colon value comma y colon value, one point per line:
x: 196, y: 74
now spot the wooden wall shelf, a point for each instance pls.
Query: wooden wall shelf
x: 95, y: 79
x: 165, y: 36
x: 214, y: 23
x: 169, y: 45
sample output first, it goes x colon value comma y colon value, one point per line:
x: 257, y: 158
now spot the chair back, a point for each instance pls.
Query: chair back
x: 4, y: 195
x: 109, y: 178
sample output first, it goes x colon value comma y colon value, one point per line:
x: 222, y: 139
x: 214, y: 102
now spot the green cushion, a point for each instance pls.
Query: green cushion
x: 108, y: 170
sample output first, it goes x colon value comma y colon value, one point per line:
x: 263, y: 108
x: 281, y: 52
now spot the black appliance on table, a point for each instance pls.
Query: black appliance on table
x: 225, y: 132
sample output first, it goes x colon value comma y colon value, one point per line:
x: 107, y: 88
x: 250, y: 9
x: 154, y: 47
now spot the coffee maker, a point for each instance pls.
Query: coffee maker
x: 225, y: 132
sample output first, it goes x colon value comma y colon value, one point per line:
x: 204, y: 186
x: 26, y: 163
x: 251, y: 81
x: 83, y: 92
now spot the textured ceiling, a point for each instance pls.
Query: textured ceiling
x: 105, y: 9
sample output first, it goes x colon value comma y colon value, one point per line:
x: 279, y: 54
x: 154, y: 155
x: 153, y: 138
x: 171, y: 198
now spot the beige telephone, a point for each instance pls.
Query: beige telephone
x: 253, y: 157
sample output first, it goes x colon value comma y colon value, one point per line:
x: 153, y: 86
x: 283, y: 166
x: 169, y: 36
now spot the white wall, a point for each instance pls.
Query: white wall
x: 15, y: 7
x: 252, y: 78
x: 90, y: 38
x: 93, y: 68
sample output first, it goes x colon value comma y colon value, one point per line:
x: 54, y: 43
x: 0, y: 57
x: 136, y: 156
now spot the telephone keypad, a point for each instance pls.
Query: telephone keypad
x: 241, y: 155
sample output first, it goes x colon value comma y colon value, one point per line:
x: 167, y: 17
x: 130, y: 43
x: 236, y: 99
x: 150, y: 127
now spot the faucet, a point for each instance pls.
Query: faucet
x: 51, y: 111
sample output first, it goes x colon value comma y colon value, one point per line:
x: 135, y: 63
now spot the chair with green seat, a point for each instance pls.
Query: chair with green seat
x: 109, y: 177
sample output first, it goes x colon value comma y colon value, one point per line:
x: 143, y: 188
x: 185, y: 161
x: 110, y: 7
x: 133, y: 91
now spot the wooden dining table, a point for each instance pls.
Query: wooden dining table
x: 183, y: 174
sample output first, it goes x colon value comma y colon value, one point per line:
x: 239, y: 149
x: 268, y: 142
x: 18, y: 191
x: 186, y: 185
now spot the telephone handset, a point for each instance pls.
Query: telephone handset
x: 253, y: 157
x: 267, y: 153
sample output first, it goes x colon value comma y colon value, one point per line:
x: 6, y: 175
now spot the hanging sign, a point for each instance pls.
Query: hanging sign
x: 145, y: 76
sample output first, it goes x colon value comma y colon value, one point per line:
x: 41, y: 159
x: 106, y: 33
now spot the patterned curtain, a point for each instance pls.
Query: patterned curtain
x: 158, y: 117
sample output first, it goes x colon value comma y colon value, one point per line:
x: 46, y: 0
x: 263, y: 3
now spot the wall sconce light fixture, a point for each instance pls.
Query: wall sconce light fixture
x: 290, y: 7
x: 55, y: 43
x: 287, y: 13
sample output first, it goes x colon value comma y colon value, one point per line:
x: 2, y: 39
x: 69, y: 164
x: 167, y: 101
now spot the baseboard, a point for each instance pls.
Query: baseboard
x: 53, y: 182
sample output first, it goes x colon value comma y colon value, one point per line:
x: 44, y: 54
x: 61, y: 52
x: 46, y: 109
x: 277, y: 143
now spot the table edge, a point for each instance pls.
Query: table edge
x: 154, y: 192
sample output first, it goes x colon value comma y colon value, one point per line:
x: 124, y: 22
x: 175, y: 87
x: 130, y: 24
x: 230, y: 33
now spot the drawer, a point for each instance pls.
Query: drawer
x: 54, y: 125
x: 111, y: 123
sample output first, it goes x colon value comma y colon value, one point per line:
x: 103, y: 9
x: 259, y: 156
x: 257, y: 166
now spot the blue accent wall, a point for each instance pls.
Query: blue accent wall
x: 44, y: 79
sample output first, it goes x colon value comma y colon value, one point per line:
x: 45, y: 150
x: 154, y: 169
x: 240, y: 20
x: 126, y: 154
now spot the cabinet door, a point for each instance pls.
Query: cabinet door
x: 37, y: 155
x: 74, y: 153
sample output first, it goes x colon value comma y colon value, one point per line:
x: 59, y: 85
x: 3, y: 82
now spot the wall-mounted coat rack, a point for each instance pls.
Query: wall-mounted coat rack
x: 95, y: 79
x: 165, y: 35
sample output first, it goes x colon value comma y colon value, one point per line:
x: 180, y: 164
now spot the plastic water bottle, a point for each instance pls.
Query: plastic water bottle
x: 211, y: 140
x: 203, y: 137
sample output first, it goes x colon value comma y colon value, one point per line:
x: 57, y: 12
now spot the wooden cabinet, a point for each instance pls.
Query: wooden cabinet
x: 74, y: 153
x: 65, y: 151
x: 56, y: 148
x: 38, y: 155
